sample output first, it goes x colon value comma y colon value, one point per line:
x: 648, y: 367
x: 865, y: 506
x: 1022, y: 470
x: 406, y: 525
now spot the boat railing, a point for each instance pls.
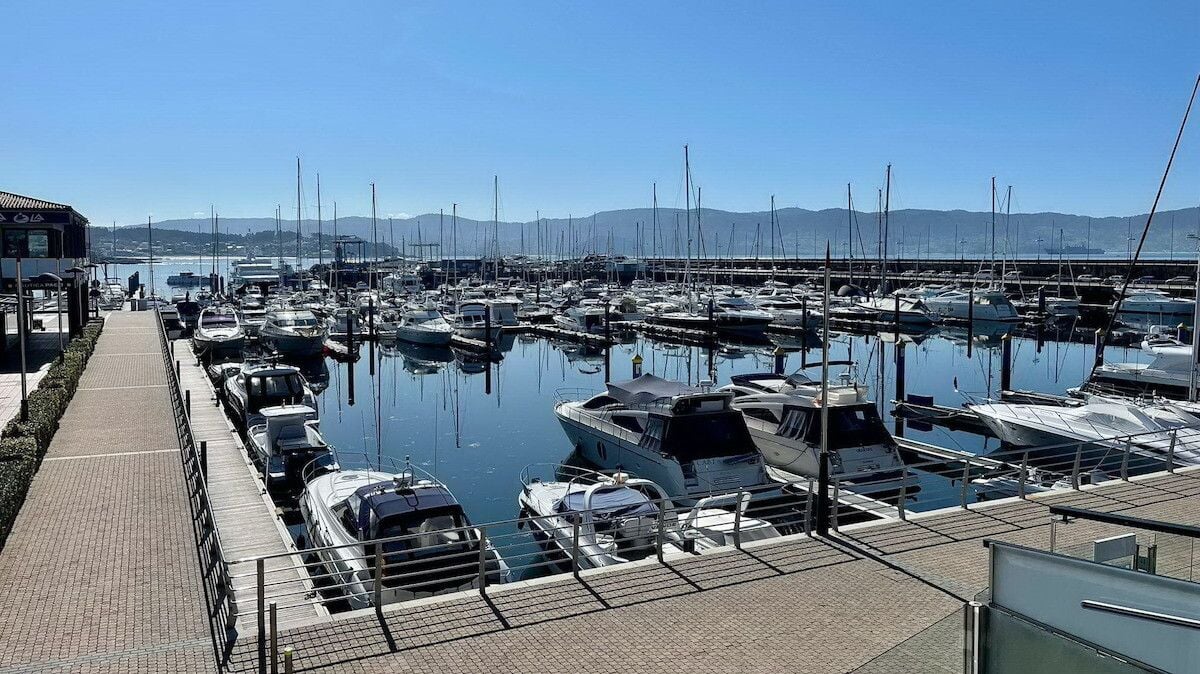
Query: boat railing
x: 214, y: 568
x: 573, y: 413
x: 373, y: 573
x: 1013, y: 471
x: 570, y: 394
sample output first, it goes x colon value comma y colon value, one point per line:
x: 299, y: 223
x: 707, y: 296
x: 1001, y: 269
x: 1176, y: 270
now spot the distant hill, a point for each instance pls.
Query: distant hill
x: 910, y: 232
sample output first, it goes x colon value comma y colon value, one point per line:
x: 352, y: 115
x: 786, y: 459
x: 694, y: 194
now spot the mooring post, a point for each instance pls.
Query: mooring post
x: 1042, y: 300
x: 204, y: 458
x: 187, y: 402
x: 823, y: 505
x: 780, y: 359
x: 637, y: 365
x: 901, y: 384
x: 1006, y: 362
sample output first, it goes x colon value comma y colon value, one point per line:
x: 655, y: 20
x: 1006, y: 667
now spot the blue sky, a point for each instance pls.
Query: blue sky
x: 163, y: 108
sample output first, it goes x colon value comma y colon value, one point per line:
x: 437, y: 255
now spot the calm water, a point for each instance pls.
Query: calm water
x: 476, y: 435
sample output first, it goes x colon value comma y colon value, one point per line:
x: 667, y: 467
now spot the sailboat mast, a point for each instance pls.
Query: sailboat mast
x: 850, y: 229
x: 320, y: 246
x: 687, y: 182
x: 374, y: 240
x: 887, y: 203
x: 993, y: 254
x: 496, y: 227
x: 299, y: 263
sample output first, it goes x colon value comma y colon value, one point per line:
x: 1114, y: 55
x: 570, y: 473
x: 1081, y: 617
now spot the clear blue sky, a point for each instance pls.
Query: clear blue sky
x: 162, y: 108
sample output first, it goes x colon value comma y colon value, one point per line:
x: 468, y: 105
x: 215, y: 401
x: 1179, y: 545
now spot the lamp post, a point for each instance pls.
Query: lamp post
x: 91, y: 268
x: 47, y: 276
x: 21, y: 340
x: 75, y: 272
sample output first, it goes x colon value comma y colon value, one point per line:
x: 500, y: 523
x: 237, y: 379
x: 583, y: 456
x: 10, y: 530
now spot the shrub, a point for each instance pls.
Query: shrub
x: 24, y: 443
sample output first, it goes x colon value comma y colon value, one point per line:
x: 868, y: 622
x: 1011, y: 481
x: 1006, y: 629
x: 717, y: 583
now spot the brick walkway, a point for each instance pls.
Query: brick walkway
x: 865, y: 601
x: 100, y: 572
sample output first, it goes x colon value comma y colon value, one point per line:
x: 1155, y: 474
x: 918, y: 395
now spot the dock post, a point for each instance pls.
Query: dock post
x: 371, y: 333
x: 378, y: 584
x: 187, y: 402
x: 575, y: 546
x: 483, y: 541
x: 901, y: 384
x: 897, y: 319
x: 274, y: 639
x: 607, y: 343
x: 804, y: 311
x: 177, y: 369
x: 1171, y: 451
x: 973, y: 625
x: 658, y: 534
x: 903, y: 493
x: 823, y: 505
x: 288, y: 667
x: 737, y: 521
x: 1075, y: 467
x: 1023, y: 475
x: 204, y: 459
x: 1006, y: 362
x: 966, y: 483
x: 637, y: 365
x: 1042, y: 300
x: 780, y: 359
x: 1125, y: 459
x: 487, y: 331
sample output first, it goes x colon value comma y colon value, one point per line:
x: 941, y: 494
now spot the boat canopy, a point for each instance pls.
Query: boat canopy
x: 647, y: 389
x: 380, y: 501
x: 616, y: 501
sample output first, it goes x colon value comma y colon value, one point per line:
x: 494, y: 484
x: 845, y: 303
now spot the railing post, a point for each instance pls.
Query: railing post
x: 823, y: 504
x: 288, y: 667
x: 575, y: 545
x: 903, y: 493
x: 808, y: 505
x: 837, y: 499
x: 1125, y: 459
x: 1075, y: 467
x: 378, y: 585
x: 274, y: 640
x: 973, y: 625
x: 737, y: 521
x: 966, y: 481
x: 177, y: 368
x: 187, y: 403
x: 483, y: 539
x: 658, y: 534
x: 260, y: 570
x: 1023, y: 475
x: 1171, y: 451
x: 204, y: 459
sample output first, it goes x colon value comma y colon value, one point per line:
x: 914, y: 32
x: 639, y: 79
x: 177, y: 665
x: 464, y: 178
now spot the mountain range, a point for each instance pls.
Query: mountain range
x: 798, y: 231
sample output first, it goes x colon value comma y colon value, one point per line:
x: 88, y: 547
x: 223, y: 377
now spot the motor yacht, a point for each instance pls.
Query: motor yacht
x: 621, y: 518
x: 983, y: 305
x: 584, y: 318
x: 912, y: 312
x: 293, y: 333
x: 472, y: 320
x: 218, y: 332
x: 1103, y: 425
x: 286, y: 442
x: 688, y: 440
x: 257, y: 385
x: 1169, y: 373
x: 1144, y: 303
x: 411, y: 520
x: 424, y: 325
x: 783, y: 415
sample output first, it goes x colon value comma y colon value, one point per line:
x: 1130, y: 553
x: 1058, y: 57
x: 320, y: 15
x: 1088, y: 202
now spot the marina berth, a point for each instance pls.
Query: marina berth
x: 293, y: 333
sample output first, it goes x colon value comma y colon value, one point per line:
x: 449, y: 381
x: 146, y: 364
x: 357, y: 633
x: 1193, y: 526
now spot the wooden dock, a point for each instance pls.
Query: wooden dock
x: 245, y: 514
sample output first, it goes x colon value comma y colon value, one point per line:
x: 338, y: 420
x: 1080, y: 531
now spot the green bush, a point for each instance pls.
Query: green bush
x: 24, y: 443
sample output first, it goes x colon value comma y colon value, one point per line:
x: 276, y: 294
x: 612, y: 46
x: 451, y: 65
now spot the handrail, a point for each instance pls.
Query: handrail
x: 203, y: 518
x: 1185, y: 530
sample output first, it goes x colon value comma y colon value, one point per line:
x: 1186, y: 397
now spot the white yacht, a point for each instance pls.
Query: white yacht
x: 293, y: 333
x: 255, y: 386
x: 786, y: 310
x: 619, y: 517
x: 912, y: 311
x: 1104, y: 424
x: 688, y: 440
x: 584, y: 318
x: 472, y: 320
x: 286, y: 442
x: 1153, y: 303
x: 784, y: 418
x: 424, y: 325
x: 988, y: 305
x: 408, y: 517
x: 1169, y: 373
x: 218, y: 332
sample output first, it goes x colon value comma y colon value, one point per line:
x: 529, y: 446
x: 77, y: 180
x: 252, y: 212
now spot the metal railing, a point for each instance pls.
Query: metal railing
x: 1152, y: 546
x: 373, y: 573
x: 1014, y: 471
x: 213, y: 568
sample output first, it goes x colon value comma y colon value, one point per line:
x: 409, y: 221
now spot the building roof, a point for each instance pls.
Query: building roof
x: 10, y: 200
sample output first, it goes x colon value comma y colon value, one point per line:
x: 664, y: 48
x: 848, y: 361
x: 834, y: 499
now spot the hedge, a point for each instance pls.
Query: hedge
x: 24, y: 443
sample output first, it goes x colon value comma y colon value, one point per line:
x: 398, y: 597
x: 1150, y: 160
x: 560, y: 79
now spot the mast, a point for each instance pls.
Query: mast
x: 278, y: 237
x: 496, y: 227
x: 150, y: 243
x: 454, y: 241
x: 850, y: 229
x: 687, y: 182
x: 653, y: 219
x: 993, y: 255
x: 374, y: 240
x: 320, y: 246
x: 299, y: 262
x: 887, y: 203
x: 334, y: 267
x: 772, y: 238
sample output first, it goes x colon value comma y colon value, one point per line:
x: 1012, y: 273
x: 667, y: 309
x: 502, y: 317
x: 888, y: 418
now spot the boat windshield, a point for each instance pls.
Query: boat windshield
x: 276, y: 385
x: 698, y: 436
x: 219, y: 321
x: 427, y: 528
x: 850, y: 426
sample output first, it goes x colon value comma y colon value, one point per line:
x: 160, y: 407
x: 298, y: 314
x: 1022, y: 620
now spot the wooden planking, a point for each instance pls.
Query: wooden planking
x: 245, y: 514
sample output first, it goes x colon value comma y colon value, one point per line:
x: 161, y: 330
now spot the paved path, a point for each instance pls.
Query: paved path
x: 244, y: 514
x: 100, y: 572
x: 876, y: 598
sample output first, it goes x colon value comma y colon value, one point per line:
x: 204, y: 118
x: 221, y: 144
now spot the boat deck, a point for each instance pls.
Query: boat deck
x: 244, y: 513
x: 877, y: 597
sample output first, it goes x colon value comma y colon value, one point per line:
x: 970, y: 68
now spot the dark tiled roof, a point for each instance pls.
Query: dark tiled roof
x: 10, y: 200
